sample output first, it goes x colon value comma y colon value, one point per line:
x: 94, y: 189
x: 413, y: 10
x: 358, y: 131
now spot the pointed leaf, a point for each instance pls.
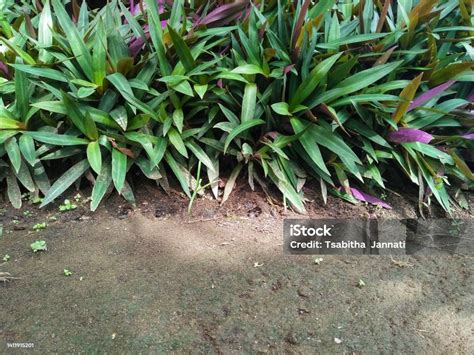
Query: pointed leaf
x: 406, y: 96
x: 65, y: 181
x: 94, y: 156
x: 239, y: 129
x: 102, y: 183
x: 119, y: 169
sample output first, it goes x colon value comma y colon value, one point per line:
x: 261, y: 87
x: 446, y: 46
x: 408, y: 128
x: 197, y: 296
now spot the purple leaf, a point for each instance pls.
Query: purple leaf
x: 272, y: 134
x: 161, y: 6
x: 361, y: 196
x: 470, y: 97
x: 468, y: 136
x: 133, y: 8
x: 420, y: 100
x: 135, y: 46
x: 4, y: 69
x: 407, y: 135
x: 224, y: 14
x: 287, y: 69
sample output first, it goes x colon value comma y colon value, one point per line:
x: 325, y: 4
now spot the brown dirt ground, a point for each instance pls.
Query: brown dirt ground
x: 154, y: 279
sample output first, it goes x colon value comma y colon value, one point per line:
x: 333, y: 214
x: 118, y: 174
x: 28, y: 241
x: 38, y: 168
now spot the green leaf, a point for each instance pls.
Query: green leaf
x: 182, y: 50
x: 97, y: 115
x: 119, y: 114
x: 281, y: 181
x: 158, y: 151
x: 27, y: 148
x: 229, y: 186
x: 177, y: 142
x: 178, y: 118
x: 156, y: 34
x: 225, y: 74
x: 200, y: 90
x: 325, y: 137
x: 9, y: 123
x: 178, y: 173
x: 430, y: 151
x: 119, y: 169
x: 123, y: 86
x: 102, y: 183
x: 22, y: 93
x: 24, y: 177
x: 40, y: 177
x: 99, y: 54
x: 310, y: 83
x: 406, y: 96
x: 94, y: 156
x: 248, y: 69
x: 137, y: 122
x: 4, y: 135
x: 13, y: 190
x: 65, y: 181
x: 47, y: 73
x: 78, y: 47
x: 354, y: 83
x: 282, y: 108
x: 183, y: 87
x: 83, y: 122
x: 57, y: 139
x: 20, y: 52
x: 335, y: 43
x: 82, y: 93
x: 309, y: 144
x: 13, y: 151
x: 249, y: 102
x: 449, y: 72
x: 239, y: 129
x: 127, y: 193
x: 200, y: 154
x: 45, y: 32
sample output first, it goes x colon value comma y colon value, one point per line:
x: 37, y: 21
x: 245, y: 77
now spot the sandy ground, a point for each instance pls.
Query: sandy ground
x: 155, y: 280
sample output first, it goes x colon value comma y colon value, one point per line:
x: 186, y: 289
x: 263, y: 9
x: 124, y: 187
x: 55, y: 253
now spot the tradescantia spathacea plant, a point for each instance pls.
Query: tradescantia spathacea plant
x: 348, y: 94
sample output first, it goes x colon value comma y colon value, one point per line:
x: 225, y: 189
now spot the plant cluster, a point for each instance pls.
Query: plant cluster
x: 350, y: 94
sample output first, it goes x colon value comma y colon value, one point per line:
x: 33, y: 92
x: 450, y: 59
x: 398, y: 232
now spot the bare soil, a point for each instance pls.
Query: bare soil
x: 153, y: 278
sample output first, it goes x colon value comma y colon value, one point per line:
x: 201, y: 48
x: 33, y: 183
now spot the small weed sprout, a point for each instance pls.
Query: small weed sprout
x: 67, y: 206
x: 67, y: 272
x: 39, y: 245
x: 40, y: 226
x: 361, y: 283
x: 6, y: 258
x: 198, y: 188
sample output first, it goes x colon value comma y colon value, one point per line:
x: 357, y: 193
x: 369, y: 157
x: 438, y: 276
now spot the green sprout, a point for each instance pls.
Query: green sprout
x: 67, y: 272
x: 67, y: 206
x: 6, y: 258
x: 39, y: 245
x: 361, y: 283
x: 318, y: 261
x: 40, y: 226
x: 36, y: 200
